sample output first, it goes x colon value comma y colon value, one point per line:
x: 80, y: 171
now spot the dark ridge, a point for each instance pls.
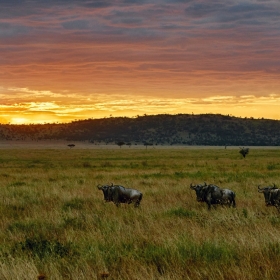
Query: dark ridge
x: 181, y: 129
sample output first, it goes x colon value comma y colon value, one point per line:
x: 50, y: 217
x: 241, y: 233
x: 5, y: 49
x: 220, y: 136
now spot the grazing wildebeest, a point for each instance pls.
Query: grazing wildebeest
x: 119, y: 194
x: 271, y: 196
x: 212, y: 194
x: 244, y: 151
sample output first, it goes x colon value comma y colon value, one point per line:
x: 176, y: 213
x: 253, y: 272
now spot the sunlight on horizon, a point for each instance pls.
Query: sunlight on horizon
x: 71, y: 110
x: 19, y: 121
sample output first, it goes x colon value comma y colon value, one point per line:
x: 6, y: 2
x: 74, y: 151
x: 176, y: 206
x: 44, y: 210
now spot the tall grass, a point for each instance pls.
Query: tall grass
x: 54, y: 220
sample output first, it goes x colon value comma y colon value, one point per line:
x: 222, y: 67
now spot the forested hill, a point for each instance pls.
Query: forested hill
x: 181, y: 129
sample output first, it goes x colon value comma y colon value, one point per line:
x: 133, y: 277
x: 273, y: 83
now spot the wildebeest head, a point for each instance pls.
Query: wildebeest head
x: 267, y: 191
x: 106, y: 191
x: 199, y: 191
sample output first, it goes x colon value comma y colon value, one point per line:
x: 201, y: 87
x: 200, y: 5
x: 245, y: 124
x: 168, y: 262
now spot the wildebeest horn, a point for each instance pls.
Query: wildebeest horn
x: 260, y: 189
x: 112, y: 185
x: 274, y: 186
x: 205, y: 184
x: 99, y: 186
x: 191, y: 186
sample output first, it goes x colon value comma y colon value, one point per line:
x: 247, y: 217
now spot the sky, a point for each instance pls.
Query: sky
x: 70, y: 60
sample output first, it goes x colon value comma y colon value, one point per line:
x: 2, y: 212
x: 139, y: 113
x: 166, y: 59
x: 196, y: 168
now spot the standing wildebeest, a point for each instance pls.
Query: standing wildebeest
x: 212, y: 194
x: 271, y: 196
x: 119, y: 194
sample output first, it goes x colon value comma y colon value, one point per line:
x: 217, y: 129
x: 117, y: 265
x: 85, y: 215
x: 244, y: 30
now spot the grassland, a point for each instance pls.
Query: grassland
x: 53, y: 219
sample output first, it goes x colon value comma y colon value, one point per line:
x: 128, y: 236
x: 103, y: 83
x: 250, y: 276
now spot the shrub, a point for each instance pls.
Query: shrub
x: 43, y: 248
x: 181, y: 212
x: 75, y: 203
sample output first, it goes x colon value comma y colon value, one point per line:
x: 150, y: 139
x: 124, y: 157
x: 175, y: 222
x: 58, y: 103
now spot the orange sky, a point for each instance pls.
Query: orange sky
x: 67, y: 60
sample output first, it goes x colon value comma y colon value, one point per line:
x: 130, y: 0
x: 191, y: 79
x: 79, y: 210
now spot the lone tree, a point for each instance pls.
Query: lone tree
x: 244, y: 151
x: 148, y: 144
x: 71, y: 146
x: 120, y: 143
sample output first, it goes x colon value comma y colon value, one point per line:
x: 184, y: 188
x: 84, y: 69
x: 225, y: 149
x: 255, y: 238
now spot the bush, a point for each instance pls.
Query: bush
x: 181, y: 212
x: 43, y: 248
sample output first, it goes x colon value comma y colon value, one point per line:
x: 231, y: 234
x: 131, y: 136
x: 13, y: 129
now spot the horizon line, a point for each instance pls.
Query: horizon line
x: 134, y: 117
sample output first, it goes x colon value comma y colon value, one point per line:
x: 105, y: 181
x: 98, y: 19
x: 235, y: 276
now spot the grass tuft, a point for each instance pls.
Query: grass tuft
x: 44, y: 248
x: 181, y: 212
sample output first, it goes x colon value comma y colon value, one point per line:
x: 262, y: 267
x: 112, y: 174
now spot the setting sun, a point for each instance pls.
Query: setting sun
x: 19, y: 120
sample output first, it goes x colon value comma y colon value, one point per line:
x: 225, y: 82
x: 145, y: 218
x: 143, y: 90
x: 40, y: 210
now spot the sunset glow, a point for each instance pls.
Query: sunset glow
x: 69, y: 60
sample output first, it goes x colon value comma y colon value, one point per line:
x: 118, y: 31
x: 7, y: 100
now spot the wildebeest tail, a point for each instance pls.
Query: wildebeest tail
x: 140, y: 197
x: 233, y: 199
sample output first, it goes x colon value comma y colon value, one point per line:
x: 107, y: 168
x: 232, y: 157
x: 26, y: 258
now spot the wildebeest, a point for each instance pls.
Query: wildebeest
x: 119, y: 194
x: 271, y: 196
x: 212, y: 194
x: 244, y: 151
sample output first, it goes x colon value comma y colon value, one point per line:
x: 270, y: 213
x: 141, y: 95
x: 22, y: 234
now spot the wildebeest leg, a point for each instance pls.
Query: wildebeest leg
x: 227, y: 202
x: 137, y: 203
x: 223, y: 202
x: 277, y: 207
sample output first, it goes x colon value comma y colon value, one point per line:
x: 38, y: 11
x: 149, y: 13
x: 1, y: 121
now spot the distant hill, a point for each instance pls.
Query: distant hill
x: 181, y: 129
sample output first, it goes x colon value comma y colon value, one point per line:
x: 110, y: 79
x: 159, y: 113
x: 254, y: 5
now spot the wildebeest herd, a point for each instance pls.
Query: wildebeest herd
x: 210, y: 194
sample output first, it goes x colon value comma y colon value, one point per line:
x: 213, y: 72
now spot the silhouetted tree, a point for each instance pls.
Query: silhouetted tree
x: 120, y: 143
x: 71, y: 146
x: 148, y: 144
x: 244, y: 151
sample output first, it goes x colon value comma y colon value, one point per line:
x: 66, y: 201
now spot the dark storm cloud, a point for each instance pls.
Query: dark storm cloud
x: 221, y: 11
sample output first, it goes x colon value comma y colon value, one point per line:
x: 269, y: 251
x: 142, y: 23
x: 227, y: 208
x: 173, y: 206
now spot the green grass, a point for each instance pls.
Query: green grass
x: 54, y: 221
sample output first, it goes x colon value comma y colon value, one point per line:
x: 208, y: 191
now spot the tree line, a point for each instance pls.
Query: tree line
x: 162, y: 129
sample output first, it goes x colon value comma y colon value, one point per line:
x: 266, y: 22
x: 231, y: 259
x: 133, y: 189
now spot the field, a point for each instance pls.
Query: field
x: 54, y: 221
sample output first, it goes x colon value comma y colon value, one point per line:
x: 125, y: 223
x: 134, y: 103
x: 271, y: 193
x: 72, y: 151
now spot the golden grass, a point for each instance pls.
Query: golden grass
x: 54, y: 221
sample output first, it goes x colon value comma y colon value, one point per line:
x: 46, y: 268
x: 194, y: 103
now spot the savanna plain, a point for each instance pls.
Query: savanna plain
x: 55, y: 222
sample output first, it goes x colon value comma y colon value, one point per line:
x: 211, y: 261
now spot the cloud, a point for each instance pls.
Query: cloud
x: 233, y: 9
x: 76, y: 24
x: 12, y: 30
x: 38, y: 93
